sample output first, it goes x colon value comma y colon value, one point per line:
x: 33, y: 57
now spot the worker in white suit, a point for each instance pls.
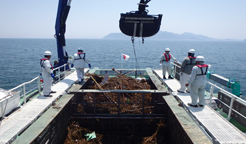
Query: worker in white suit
x: 79, y: 61
x: 185, y: 70
x: 47, y: 72
x: 197, y: 82
x: 166, y: 64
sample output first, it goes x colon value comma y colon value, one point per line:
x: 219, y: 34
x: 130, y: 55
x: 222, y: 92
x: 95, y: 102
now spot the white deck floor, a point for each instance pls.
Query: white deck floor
x: 15, y: 123
x: 222, y: 130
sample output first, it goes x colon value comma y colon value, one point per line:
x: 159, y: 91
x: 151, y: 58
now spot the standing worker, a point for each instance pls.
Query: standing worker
x: 47, y: 72
x: 197, y: 82
x: 185, y: 70
x: 165, y: 62
x: 79, y: 64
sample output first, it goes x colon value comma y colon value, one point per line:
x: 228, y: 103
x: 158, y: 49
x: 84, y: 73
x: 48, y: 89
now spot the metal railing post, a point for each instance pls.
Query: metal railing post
x: 64, y: 70
x: 174, y: 69
x: 229, y: 113
x: 39, y: 86
x: 24, y: 93
x: 211, y: 95
x: 59, y: 73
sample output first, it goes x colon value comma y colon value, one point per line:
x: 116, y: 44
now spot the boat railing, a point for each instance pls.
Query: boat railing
x: 61, y: 74
x: 231, y: 100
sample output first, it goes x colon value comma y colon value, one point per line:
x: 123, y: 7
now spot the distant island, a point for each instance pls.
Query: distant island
x: 245, y: 40
x: 164, y: 35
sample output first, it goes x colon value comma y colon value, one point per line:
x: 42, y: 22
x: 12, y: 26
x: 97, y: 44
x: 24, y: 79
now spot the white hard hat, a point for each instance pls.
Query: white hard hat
x: 80, y: 49
x: 47, y: 53
x: 167, y: 49
x: 200, y: 58
x: 191, y: 51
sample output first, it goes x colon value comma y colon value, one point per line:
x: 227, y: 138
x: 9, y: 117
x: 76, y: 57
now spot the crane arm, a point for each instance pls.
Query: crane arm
x: 60, y: 29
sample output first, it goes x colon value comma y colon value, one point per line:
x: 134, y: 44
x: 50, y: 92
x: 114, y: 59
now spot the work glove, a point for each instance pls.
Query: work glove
x: 40, y: 74
x: 89, y: 65
x: 52, y: 75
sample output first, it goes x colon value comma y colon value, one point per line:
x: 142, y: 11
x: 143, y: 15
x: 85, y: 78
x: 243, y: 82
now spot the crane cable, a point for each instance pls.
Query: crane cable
x: 136, y: 61
x: 134, y: 34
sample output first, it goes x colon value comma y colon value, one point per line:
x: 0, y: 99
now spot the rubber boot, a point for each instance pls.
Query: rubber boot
x: 170, y: 77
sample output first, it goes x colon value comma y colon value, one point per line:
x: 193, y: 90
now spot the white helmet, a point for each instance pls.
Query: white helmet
x: 80, y: 50
x: 191, y: 51
x: 200, y: 58
x: 167, y: 49
x: 47, y: 53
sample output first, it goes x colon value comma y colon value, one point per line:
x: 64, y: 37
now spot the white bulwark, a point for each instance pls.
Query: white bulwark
x: 217, y: 127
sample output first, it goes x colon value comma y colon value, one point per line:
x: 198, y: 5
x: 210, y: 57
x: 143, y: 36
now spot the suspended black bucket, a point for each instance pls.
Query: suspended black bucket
x: 139, y: 23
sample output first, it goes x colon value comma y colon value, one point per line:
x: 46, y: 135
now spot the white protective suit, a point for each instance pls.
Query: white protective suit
x: 79, y: 64
x: 183, y: 80
x: 46, y: 70
x: 166, y: 66
x: 197, y: 84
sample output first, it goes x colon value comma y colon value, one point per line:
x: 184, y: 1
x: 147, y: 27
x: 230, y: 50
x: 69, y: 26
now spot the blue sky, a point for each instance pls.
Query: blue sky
x: 96, y: 18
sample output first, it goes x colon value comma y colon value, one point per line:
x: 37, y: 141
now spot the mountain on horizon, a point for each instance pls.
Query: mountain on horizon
x: 162, y: 35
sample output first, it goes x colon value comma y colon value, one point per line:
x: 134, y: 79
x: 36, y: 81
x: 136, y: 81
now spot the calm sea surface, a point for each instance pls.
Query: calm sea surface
x: 20, y: 58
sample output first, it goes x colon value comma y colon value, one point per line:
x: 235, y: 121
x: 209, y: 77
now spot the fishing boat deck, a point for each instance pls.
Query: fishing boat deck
x: 221, y: 130
x: 14, y: 124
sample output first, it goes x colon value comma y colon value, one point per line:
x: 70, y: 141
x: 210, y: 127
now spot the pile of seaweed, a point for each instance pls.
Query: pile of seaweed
x: 111, y: 103
x: 77, y: 135
x: 81, y: 135
x: 130, y: 103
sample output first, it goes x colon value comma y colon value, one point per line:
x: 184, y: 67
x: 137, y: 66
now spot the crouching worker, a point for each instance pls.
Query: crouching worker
x: 46, y: 72
x: 79, y: 61
x: 197, y: 82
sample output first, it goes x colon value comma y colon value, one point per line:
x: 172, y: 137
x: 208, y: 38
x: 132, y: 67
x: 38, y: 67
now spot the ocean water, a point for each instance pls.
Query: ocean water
x: 20, y: 58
